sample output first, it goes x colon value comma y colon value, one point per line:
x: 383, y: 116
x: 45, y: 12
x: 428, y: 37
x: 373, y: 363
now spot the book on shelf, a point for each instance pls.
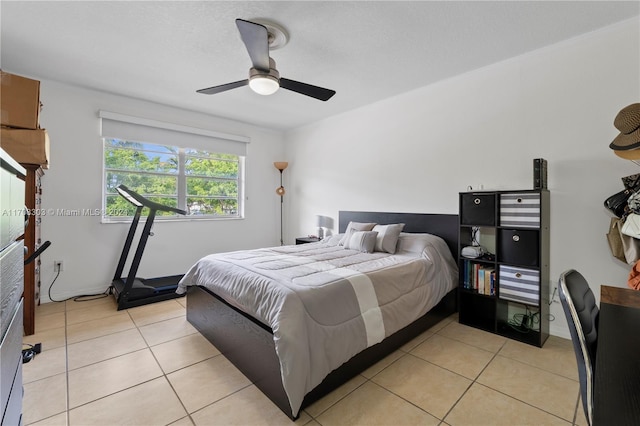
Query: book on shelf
x: 468, y: 277
x: 489, y: 276
x: 479, y: 278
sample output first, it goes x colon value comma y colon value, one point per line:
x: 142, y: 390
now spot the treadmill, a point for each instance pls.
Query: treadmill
x: 131, y: 291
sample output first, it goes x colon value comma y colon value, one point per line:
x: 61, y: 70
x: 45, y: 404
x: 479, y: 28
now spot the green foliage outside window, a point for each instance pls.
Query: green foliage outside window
x: 211, y: 179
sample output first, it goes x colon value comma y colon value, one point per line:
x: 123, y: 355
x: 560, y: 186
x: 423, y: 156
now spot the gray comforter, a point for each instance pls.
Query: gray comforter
x: 325, y: 303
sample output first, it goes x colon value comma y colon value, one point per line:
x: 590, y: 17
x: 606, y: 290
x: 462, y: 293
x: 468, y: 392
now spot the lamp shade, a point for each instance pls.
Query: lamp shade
x: 281, y: 165
x: 324, y: 221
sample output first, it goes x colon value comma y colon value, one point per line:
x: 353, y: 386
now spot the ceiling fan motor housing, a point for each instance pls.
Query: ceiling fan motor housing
x: 265, y: 82
x: 272, y: 73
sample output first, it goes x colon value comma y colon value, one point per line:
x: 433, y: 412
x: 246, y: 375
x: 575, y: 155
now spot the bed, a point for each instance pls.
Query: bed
x: 317, y: 314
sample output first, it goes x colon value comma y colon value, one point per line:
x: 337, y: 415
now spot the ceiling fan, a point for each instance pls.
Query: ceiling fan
x: 264, y: 78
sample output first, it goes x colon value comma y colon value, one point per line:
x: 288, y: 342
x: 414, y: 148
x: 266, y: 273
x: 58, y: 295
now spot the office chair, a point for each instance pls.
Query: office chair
x: 580, y: 308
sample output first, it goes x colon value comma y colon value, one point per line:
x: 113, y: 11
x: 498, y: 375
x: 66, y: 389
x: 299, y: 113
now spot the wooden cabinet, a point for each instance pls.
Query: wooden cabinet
x: 504, y: 276
x: 32, y: 241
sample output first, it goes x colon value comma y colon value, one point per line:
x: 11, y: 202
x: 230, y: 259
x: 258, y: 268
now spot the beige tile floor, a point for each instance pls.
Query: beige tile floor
x: 149, y: 366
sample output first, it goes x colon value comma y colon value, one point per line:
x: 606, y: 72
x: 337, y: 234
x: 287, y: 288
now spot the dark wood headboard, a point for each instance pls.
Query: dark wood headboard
x: 443, y: 225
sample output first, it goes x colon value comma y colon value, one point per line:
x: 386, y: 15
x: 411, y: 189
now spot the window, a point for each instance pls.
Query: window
x: 205, y: 182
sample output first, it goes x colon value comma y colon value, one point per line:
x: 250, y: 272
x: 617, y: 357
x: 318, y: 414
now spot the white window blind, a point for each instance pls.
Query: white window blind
x: 114, y: 125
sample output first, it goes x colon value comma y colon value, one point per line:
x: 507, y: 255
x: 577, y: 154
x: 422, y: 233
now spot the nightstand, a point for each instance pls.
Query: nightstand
x: 305, y: 240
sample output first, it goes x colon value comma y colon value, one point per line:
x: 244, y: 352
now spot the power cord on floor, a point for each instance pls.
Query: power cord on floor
x: 524, y: 323
x: 80, y: 298
x: 51, y: 286
x: 551, y: 316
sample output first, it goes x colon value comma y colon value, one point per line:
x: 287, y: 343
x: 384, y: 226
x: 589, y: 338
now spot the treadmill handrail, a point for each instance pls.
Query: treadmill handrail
x: 132, y: 197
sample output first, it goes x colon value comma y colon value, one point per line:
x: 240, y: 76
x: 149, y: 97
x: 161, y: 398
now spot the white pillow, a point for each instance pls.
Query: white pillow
x: 387, y: 239
x: 363, y: 241
x: 353, y: 227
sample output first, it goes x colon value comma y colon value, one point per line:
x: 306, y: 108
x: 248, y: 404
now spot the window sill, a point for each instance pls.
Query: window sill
x: 159, y: 219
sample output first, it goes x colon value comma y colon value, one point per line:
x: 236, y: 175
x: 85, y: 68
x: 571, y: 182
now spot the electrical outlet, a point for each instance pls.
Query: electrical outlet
x: 58, y: 265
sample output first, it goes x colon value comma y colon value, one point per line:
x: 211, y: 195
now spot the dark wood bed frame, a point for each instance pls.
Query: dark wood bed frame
x: 249, y: 345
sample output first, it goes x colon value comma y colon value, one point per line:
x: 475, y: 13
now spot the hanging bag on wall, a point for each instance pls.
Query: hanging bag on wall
x: 632, y: 182
x: 617, y: 203
x: 615, y: 241
x: 634, y: 202
x: 631, y: 226
x: 623, y: 247
x: 630, y: 245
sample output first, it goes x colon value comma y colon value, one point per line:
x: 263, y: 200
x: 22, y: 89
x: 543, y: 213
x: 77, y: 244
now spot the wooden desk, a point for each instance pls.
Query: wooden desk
x: 617, y: 377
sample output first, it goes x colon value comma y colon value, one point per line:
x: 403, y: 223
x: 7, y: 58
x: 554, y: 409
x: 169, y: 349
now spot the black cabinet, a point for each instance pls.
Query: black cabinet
x: 504, y: 288
x: 305, y: 240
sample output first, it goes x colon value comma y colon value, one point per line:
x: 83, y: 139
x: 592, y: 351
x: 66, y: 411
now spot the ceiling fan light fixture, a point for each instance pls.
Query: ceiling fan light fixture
x: 264, y: 78
x: 264, y: 84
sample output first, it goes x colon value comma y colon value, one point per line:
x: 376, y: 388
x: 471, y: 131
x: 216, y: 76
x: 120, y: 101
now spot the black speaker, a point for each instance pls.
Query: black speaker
x: 539, y: 173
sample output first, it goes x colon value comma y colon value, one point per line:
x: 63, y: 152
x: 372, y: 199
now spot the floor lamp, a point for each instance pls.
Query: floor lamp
x: 281, y: 165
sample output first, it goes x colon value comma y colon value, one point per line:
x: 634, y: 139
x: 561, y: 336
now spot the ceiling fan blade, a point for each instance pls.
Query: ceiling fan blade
x: 256, y: 40
x: 307, y: 89
x: 223, y: 87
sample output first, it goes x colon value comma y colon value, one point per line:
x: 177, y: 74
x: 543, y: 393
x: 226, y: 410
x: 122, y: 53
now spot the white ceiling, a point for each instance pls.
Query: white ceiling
x: 164, y: 51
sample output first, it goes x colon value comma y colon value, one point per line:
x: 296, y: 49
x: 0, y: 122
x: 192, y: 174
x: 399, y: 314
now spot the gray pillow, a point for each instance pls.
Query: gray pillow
x: 387, y: 239
x: 363, y: 241
x: 353, y: 227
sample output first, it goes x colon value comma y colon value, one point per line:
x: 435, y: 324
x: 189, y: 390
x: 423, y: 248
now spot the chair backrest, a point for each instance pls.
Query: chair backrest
x: 579, y: 305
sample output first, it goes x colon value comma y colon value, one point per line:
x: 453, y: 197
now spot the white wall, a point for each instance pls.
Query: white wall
x: 416, y: 151
x: 89, y: 249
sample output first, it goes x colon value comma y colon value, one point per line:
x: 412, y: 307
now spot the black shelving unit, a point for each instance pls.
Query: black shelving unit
x: 506, y: 290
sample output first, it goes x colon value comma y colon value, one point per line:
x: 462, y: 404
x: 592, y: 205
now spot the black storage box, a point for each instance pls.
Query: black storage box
x: 478, y: 209
x: 518, y: 247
